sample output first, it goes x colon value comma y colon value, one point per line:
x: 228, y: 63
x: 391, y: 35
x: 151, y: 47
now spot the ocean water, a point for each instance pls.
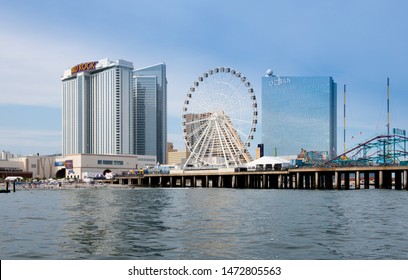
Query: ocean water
x: 158, y: 223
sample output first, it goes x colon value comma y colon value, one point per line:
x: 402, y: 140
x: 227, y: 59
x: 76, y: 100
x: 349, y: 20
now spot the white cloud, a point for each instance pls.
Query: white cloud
x: 32, y: 65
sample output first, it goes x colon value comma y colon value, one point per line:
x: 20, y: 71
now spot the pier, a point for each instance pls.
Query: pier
x: 364, y: 177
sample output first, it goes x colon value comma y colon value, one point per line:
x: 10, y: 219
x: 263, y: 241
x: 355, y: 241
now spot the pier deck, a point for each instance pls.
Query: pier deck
x: 383, y: 177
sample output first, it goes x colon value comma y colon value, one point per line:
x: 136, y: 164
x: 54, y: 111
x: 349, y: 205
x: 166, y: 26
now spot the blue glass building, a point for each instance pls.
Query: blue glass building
x: 150, y: 90
x: 299, y: 113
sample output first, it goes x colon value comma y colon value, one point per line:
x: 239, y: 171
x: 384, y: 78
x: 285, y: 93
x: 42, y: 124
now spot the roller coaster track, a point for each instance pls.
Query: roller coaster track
x: 380, y: 150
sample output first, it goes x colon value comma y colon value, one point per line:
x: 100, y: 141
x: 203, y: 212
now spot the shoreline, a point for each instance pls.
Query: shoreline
x: 24, y: 187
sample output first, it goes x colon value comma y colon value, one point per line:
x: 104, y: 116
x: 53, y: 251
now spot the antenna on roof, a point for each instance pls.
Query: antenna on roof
x: 344, y: 118
x: 388, y: 106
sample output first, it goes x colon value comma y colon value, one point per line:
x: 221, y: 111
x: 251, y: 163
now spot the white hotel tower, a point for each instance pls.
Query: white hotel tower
x: 97, y: 108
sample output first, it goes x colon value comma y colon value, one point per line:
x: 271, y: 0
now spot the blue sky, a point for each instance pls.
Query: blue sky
x: 358, y: 43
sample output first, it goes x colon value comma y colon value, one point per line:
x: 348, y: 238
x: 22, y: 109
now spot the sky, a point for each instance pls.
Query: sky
x: 358, y: 43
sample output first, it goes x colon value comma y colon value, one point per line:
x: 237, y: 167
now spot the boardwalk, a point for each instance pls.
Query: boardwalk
x: 386, y: 177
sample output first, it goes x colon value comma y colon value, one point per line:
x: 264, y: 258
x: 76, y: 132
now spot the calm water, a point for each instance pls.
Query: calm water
x: 203, y: 224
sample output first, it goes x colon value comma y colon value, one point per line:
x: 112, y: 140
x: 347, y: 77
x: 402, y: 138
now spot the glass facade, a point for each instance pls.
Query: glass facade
x: 146, y: 105
x: 150, y: 90
x: 299, y: 113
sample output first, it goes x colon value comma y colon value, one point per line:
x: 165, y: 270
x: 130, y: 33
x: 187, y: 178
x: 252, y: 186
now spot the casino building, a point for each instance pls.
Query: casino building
x: 96, y: 111
x: 299, y: 113
x: 108, y: 108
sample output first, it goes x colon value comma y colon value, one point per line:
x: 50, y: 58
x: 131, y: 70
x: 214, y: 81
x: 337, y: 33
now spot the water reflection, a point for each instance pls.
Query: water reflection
x: 204, y: 224
x: 109, y: 223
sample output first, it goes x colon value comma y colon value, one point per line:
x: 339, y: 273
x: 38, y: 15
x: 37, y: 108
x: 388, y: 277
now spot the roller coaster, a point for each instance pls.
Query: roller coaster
x: 380, y: 150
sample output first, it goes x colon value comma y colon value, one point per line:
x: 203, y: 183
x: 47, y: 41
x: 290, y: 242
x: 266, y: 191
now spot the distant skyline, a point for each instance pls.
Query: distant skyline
x: 358, y: 43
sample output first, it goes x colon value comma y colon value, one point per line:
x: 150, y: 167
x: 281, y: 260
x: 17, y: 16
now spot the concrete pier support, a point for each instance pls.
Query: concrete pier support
x: 297, y: 180
x: 293, y: 181
x: 336, y: 179
x: 357, y: 181
x: 284, y: 181
x: 405, y: 184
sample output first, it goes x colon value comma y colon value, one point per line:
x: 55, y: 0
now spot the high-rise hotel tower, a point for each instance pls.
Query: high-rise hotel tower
x: 150, y: 89
x: 107, y: 108
x: 96, y: 111
x: 299, y: 113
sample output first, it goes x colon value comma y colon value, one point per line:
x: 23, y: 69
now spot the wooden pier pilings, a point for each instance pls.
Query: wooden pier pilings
x: 7, y: 187
x: 382, y: 177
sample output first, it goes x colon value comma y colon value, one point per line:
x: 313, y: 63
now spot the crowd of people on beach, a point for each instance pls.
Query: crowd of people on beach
x: 52, y: 184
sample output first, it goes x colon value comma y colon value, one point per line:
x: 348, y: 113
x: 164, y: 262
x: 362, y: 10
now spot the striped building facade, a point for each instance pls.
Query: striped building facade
x: 109, y: 108
x: 97, y: 110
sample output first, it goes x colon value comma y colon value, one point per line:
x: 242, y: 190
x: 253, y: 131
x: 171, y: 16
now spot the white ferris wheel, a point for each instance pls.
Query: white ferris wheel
x: 219, y: 119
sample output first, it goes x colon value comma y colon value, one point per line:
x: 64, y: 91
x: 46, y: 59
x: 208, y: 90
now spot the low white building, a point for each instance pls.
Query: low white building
x: 81, y: 166
x: 38, y: 166
x: 268, y: 160
x: 6, y: 155
x: 77, y: 166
